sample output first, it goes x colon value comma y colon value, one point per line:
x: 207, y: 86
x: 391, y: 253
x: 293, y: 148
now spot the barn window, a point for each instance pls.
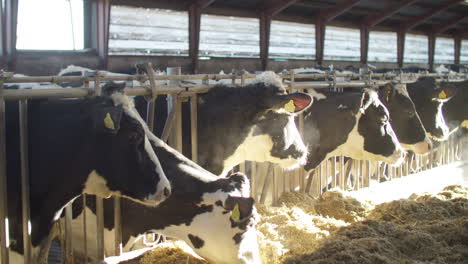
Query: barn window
x: 342, y: 44
x: 444, y: 50
x: 382, y: 46
x: 464, y: 52
x: 50, y: 25
x: 292, y: 40
x: 416, y: 49
x: 237, y: 37
x: 146, y: 31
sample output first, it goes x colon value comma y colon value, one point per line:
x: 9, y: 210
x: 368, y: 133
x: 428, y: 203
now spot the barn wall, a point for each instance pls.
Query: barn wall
x: 50, y: 63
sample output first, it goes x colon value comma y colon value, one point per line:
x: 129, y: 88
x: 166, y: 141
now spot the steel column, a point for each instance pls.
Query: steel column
x: 4, y: 236
x: 194, y: 126
x: 194, y: 35
x: 364, y: 43
x: 457, y: 51
x: 103, y: 17
x: 10, y: 28
x: 319, y: 40
x: 265, y: 25
x: 431, y: 43
x: 400, y: 47
x: 117, y: 226
x: 23, y: 120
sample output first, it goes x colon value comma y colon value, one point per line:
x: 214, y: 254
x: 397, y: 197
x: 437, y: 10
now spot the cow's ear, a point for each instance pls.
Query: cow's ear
x: 240, y: 207
x: 107, y: 119
x: 444, y: 94
x: 293, y: 103
x: 389, y: 91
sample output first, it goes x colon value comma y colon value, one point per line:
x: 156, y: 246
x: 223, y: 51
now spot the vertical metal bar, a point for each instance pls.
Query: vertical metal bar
x: 4, y: 236
x: 253, y: 180
x: 85, y: 233
x: 334, y: 178
x: 117, y: 226
x: 100, y: 227
x: 23, y: 120
x: 194, y: 126
x: 68, y: 235
x: 175, y: 139
x: 266, y: 184
x: 275, y: 186
x: 320, y: 185
x: 342, y: 173
x: 327, y: 175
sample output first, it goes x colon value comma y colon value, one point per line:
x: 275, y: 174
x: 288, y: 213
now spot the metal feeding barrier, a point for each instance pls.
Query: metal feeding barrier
x: 265, y: 178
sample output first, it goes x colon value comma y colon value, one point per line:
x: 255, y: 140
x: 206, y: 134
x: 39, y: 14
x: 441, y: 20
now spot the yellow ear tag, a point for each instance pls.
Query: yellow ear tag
x: 290, y: 106
x: 465, y: 124
x: 442, y: 95
x: 235, y: 215
x: 108, y: 122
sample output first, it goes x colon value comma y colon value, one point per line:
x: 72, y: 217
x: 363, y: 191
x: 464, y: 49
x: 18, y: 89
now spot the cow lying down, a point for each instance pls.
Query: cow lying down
x: 214, y: 215
x: 99, y: 146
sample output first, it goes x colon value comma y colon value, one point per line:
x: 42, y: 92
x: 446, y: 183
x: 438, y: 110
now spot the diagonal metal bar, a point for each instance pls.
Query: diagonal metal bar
x: 330, y: 14
x: 441, y: 28
x: 271, y: 8
x: 420, y: 19
x: 374, y: 19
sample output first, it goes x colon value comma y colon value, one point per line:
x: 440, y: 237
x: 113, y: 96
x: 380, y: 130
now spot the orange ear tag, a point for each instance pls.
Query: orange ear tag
x: 290, y: 107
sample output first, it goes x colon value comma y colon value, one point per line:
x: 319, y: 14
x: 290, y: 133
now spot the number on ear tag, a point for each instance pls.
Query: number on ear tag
x: 290, y: 107
x: 235, y: 215
x: 108, y: 122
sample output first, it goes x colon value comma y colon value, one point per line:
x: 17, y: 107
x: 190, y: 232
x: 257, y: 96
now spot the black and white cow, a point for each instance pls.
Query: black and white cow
x: 236, y: 124
x: 214, y: 215
x: 353, y: 124
x: 429, y: 104
x: 404, y: 118
x: 456, y: 109
x: 97, y: 145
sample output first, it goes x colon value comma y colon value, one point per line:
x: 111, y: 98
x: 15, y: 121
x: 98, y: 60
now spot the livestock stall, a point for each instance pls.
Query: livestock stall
x: 269, y: 35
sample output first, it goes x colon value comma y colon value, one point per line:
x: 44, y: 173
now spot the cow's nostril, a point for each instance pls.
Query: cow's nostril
x: 167, y: 192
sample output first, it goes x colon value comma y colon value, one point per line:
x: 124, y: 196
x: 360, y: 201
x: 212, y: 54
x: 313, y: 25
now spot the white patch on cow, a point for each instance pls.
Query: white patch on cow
x: 316, y: 95
x: 354, y: 148
x: 258, y: 148
x: 440, y: 124
x: 96, y: 185
x: 420, y: 148
x: 269, y: 78
x: 129, y: 108
x: 341, y: 106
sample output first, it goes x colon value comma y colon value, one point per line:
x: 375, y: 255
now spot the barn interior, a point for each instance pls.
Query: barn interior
x: 341, y: 212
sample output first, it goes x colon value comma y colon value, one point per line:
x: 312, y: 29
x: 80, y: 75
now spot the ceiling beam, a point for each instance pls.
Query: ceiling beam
x: 204, y: 3
x: 271, y: 8
x: 330, y: 14
x: 420, y: 19
x: 441, y: 28
x: 374, y: 19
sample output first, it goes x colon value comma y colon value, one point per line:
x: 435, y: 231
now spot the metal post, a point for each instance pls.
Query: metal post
x: 175, y: 139
x: 342, y: 173
x: 100, y: 227
x: 118, y: 226
x: 23, y: 119
x: 68, y: 235
x: 194, y: 127
x: 151, y: 107
x: 266, y: 184
x: 4, y: 237
x: 253, y: 179
x: 85, y: 234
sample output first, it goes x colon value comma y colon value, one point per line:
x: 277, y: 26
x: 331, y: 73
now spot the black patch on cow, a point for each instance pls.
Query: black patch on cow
x: 237, y: 238
x: 196, y: 241
x: 64, y: 147
x: 456, y: 109
x: 403, y: 116
x: 327, y: 124
x: 421, y: 92
x: 219, y: 203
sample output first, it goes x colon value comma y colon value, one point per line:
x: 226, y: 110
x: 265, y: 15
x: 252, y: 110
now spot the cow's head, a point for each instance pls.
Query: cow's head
x: 125, y: 163
x: 404, y: 118
x: 429, y: 99
x: 373, y: 137
x: 270, y: 131
x: 226, y: 233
